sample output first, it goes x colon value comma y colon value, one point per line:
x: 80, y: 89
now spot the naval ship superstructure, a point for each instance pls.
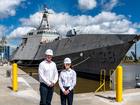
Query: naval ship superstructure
x: 90, y: 53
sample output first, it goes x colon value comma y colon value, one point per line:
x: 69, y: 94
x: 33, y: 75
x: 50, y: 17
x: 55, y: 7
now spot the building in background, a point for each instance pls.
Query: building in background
x: 4, y: 50
x: 4, y: 53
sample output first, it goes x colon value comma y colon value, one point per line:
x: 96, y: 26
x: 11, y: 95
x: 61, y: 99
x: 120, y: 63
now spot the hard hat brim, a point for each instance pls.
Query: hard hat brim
x: 49, y: 54
x: 67, y: 63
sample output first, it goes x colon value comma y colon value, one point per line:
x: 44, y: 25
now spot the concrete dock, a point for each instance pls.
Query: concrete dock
x: 28, y: 93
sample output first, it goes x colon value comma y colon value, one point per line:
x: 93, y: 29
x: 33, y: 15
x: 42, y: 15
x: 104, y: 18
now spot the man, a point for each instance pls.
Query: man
x: 48, y: 76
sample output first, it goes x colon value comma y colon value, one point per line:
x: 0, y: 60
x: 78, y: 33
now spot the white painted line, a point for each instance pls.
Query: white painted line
x: 22, y: 80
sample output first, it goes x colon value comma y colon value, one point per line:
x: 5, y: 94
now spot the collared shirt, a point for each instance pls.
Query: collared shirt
x: 67, y: 78
x: 48, y: 73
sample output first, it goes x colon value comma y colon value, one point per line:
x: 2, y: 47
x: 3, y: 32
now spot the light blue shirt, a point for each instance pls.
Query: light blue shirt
x: 67, y: 78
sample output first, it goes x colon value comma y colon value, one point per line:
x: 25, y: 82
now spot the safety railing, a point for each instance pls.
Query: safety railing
x: 102, y: 80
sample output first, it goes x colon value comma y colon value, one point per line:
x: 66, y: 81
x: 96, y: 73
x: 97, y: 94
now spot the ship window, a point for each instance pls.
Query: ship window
x: 24, y: 41
x: 104, y: 54
x: 109, y: 52
x: 100, y: 53
x: 40, y: 32
x: 31, y: 33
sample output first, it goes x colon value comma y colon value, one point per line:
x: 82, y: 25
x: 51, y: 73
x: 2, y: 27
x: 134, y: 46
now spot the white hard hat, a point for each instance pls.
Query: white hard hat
x: 67, y: 61
x: 49, y: 52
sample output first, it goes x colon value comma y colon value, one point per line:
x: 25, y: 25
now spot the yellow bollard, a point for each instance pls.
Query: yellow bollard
x: 119, y: 83
x: 15, y: 77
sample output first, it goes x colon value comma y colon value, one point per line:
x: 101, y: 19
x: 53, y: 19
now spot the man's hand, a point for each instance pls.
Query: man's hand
x: 66, y: 92
x: 52, y: 85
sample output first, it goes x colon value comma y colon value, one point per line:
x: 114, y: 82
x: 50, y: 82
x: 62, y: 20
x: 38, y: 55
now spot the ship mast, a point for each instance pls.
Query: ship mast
x: 44, y: 22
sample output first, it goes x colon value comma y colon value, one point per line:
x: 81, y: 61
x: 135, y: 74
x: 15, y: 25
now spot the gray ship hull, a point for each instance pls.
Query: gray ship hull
x: 89, y: 53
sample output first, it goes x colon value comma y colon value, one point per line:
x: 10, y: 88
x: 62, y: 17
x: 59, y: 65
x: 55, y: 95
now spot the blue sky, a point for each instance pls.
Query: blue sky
x: 103, y: 16
x: 128, y: 8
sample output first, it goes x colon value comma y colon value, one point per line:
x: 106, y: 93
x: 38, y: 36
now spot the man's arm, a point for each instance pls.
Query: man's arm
x: 55, y: 75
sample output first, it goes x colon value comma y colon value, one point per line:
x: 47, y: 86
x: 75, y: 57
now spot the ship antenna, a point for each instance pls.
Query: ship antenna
x: 44, y: 19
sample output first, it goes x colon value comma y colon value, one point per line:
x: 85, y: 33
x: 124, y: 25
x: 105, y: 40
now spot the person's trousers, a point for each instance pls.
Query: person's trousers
x: 46, y: 94
x: 66, y: 98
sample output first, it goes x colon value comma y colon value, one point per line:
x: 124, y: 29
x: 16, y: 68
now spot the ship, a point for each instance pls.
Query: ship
x: 90, y: 53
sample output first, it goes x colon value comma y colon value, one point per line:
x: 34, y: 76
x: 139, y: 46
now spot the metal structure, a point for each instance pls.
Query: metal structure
x: 111, y: 79
x: 102, y: 85
x: 119, y: 84
x: 4, y: 49
x: 15, y: 77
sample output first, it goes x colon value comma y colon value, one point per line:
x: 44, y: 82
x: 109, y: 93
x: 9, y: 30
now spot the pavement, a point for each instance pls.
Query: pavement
x: 28, y: 93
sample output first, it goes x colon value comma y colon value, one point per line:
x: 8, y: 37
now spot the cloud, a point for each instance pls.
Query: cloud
x: 7, y: 7
x: 2, y: 30
x: 20, y: 31
x: 34, y: 20
x: 136, y: 25
x: 108, y: 6
x: 104, y: 22
x: 87, y: 4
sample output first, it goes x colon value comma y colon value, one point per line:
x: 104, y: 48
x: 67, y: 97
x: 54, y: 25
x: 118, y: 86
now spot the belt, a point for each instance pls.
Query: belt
x: 66, y: 87
x: 44, y: 85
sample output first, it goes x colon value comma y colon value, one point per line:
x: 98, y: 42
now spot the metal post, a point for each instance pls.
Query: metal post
x: 135, y: 52
x: 15, y: 77
x: 102, y: 81
x: 102, y: 78
x: 111, y: 79
x: 119, y: 83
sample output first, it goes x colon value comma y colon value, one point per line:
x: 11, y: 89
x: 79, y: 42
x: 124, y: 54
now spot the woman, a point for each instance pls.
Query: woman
x: 67, y: 82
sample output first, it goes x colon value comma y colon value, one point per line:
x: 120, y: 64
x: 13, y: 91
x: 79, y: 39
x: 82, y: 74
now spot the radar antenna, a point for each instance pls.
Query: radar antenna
x: 44, y: 22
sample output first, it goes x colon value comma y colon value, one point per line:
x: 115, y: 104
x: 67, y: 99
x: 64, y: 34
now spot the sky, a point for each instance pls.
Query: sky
x: 17, y: 17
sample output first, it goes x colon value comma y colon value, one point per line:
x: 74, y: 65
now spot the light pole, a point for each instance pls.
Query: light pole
x: 136, y: 60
